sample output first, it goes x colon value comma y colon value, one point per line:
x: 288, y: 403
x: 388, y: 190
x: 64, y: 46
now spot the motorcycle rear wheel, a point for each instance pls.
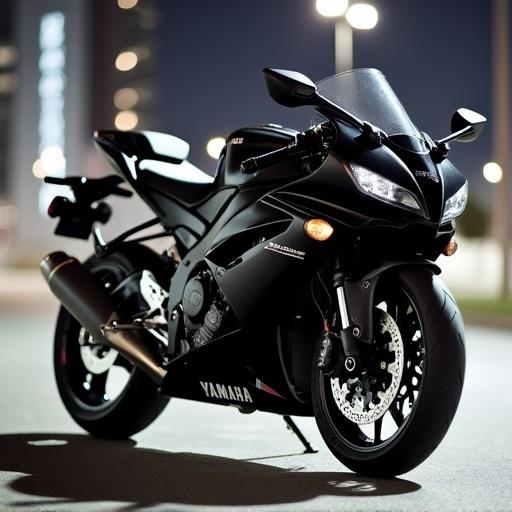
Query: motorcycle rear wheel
x: 431, y: 380
x: 86, y: 394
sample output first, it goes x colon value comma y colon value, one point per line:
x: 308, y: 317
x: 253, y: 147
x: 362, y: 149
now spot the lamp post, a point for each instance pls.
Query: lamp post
x: 501, y: 134
x: 359, y: 16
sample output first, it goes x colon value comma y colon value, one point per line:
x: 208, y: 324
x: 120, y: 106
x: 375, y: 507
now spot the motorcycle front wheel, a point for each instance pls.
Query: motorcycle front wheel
x: 102, y: 391
x: 390, y: 417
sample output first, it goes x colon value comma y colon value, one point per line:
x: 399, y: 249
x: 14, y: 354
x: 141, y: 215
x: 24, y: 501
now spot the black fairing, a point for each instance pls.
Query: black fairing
x: 332, y: 187
x: 196, y: 205
x: 185, y: 208
x: 404, y: 160
x: 234, y: 225
x: 245, y: 236
x: 260, y: 285
x: 452, y: 178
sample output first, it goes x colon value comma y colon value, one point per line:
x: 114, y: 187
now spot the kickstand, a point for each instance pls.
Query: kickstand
x: 291, y: 425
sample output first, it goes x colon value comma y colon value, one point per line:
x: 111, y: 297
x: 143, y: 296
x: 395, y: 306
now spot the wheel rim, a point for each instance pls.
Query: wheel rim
x: 97, y: 375
x: 381, y: 425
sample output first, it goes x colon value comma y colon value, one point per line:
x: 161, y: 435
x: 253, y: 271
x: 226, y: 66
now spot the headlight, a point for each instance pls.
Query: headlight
x: 455, y: 205
x: 375, y: 185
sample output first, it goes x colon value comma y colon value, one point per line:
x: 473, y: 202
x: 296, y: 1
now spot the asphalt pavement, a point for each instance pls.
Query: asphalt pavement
x: 202, y: 457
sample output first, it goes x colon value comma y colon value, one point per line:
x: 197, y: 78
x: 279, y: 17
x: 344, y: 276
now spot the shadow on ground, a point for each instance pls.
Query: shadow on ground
x: 75, y: 468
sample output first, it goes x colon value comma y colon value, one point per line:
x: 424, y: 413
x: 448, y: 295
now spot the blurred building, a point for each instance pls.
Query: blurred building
x: 8, y: 80
x: 66, y: 69
x: 63, y: 82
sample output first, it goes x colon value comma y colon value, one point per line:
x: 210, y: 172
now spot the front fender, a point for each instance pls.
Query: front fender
x: 359, y: 294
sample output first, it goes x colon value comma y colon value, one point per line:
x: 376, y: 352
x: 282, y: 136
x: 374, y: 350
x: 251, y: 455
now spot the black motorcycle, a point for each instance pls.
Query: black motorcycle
x: 299, y: 281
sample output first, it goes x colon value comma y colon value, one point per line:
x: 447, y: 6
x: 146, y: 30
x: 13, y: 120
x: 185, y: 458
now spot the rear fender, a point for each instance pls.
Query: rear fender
x: 359, y: 294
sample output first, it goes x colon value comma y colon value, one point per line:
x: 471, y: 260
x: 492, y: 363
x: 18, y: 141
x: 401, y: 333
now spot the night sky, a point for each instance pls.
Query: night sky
x: 435, y: 54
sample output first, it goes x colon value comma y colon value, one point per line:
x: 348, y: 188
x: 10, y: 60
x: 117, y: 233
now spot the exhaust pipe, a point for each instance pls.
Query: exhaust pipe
x: 81, y: 294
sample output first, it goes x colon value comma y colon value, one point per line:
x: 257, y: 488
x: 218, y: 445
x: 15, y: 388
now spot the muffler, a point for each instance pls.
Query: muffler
x: 81, y: 294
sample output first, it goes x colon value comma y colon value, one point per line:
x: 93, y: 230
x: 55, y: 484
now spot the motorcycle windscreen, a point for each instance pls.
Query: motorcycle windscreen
x: 366, y: 94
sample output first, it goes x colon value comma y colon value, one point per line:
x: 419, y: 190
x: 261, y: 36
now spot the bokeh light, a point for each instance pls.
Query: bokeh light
x: 215, y: 146
x: 362, y: 16
x: 331, y: 8
x: 126, y: 98
x: 52, y: 160
x: 8, y: 82
x: 38, y: 169
x: 126, y: 61
x: 127, y: 4
x: 8, y: 56
x: 493, y: 172
x: 126, y: 120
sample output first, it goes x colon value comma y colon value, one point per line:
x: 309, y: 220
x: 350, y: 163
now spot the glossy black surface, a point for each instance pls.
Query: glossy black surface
x: 247, y: 232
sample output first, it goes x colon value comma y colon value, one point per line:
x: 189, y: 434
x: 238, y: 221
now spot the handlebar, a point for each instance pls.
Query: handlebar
x: 308, y: 142
x: 256, y: 163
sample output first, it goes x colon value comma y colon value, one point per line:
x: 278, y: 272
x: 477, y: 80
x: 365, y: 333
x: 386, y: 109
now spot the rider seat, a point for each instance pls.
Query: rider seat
x: 159, y: 161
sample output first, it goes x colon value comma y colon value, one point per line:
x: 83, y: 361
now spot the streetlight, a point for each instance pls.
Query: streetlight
x: 331, y: 8
x: 501, y: 134
x: 360, y: 16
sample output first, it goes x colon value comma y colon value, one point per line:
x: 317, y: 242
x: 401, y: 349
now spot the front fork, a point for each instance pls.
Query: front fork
x: 341, y: 353
x: 344, y: 352
x: 351, y: 350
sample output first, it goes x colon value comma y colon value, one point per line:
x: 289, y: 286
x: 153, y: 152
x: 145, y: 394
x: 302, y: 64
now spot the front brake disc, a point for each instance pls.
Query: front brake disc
x: 357, y: 401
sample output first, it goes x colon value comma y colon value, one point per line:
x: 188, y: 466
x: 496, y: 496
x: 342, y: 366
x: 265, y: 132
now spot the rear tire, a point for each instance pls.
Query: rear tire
x: 436, y: 394
x: 84, y: 393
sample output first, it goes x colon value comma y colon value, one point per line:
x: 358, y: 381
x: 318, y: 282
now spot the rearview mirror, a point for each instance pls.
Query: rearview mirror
x: 290, y: 88
x: 467, y: 124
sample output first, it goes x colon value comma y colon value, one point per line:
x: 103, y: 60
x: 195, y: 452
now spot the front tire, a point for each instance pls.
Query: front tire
x: 112, y: 400
x: 432, y: 333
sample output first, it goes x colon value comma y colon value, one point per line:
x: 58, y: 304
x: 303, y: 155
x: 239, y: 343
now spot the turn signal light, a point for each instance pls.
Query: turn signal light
x: 451, y: 247
x: 318, y: 229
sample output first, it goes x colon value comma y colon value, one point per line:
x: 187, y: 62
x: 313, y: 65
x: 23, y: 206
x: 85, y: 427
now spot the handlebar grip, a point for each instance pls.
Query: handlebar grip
x: 249, y: 166
x: 308, y: 142
x: 256, y: 163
